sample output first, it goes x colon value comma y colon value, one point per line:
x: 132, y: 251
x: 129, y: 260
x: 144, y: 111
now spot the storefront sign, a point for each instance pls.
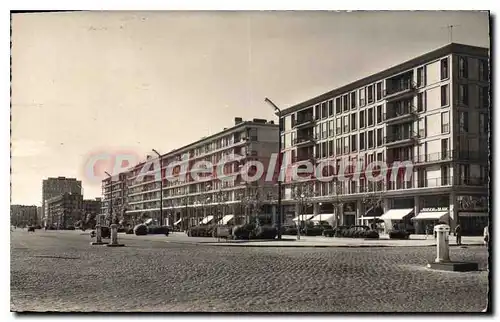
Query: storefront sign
x: 434, y: 209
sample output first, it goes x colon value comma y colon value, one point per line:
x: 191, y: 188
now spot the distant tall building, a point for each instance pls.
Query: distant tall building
x: 92, y: 206
x: 21, y: 215
x: 64, y: 210
x: 53, y: 187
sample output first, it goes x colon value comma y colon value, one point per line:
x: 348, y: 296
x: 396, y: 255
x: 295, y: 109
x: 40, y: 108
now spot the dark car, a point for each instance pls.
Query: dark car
x: 31, y: 228
x: 105, y: 232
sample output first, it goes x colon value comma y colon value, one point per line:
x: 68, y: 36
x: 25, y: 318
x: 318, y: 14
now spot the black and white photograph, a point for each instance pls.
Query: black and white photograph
x: 176, y: 161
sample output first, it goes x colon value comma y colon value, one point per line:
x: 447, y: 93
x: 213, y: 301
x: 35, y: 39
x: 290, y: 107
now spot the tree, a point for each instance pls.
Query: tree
x: 373, y: 197
x: 302, y: 193
x: 337, y: 200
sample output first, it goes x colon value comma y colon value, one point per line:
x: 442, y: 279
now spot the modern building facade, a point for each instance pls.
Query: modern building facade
x: 92, y: 206
x: 187, y: 199
x: 64, y: 210
x: 432, y: 111
x: 53, y: 187
x: 21, y: 215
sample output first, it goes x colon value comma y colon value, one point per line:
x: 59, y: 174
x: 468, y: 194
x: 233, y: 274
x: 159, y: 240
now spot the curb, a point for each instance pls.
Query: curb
x: 304, y: 246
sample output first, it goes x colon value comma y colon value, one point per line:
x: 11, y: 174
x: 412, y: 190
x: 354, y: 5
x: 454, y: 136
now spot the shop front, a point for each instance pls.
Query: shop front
x: 473, y: 214
x: 427, y: 218
x: 398, y: 219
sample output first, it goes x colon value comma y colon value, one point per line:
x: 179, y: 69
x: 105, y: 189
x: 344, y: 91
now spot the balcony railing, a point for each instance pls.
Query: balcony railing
x: 402, y: 87
x: 305, y: 120
x: 450, y: 180
x: 308, y: 158
x: 400, y: 113
x: 395, y: 138
x: 304, y: 140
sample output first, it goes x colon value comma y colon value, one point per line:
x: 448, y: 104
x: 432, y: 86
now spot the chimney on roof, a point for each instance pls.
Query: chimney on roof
x: 237, y: 120
x: 262, y: 121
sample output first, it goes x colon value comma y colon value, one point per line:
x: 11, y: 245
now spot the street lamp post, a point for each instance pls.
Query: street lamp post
x: 111, y: 197
x: 276, y: 108
x: 161, y: 188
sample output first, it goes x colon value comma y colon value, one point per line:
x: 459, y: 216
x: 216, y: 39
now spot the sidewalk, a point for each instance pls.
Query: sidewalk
x: 308, y: 241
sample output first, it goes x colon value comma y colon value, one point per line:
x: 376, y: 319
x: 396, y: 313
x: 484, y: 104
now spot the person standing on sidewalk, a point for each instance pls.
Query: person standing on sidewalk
x: 486, y: 236
x: 458, y: 234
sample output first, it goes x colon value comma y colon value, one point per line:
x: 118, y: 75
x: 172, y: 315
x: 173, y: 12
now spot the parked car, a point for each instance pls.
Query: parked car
x: 105, y: 232
x: 141, y: 230
x: 31, y: 228
x: 399, y: 234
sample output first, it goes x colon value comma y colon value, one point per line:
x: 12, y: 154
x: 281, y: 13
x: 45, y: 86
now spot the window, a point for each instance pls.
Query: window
x: 444, y: 69
x: 346, y: 103
x: 346, y: 124
x: 421, y: 128
x: 331, y: 129
x: 380, y: 156
x: 353, y: 100
x: 444, y: 149
x: 354, y: 145
x: 379, y: 91
x: 330, y: 108
x: 483, y: 97
x: 353, y: 121
x: 463, y: 94
x: 444, y: 175
x: 338, y: 105
x: 330, y: 148
x: 445, y: 95
x: 421, y: 102
x: 483, y: 70
x: 324, y: 150
x: 483, y: 124
x: 380, y: 137
x: 370, y: 117
x: 370, y: 140
x: 420, y: 77
x: 362, y: 100
x: 324, y: 110
x: 339, y: 126
x: 445, y: 122
x: 346, y: 144
x: 317, y: 112
x: 362, y: 119
x: 463, y: 71
x: 362, y: 140
x: 324, y: 132
x: 317, y: 132
x: 379, y: 114
x: 338, y: 146
x: 370, y: 94
x: 464, y: 122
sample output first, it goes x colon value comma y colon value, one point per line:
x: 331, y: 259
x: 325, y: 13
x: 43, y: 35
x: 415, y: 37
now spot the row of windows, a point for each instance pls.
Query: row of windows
x: 482, y: 97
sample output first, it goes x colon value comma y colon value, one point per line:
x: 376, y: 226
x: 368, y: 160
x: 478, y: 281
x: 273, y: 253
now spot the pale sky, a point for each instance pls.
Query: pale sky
x: 125, y: 81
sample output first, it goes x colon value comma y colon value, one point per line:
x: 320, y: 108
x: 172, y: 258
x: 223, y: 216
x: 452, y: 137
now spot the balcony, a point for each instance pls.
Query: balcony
x: 401, y: 139
x: 400, y: 89
x: 304, y: 141
x: 304, y: 159
x: 305, y: 121
x: 437, y: 157
x: 450, y: 180
x: 401, y: 114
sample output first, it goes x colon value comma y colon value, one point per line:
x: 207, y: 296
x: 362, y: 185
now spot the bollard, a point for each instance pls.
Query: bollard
x: 114, y: 237
x: 442, y: 247
x: 98, y: 236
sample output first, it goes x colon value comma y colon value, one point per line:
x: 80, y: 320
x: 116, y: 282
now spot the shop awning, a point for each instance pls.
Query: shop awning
x: 431, y: 215
x: 323, y: 217
x: 177, y: 222
x: 303, y: 217
x: 367, y: 218
x: 206, y: 220
x: 226, y: 219
x: 396, y: 214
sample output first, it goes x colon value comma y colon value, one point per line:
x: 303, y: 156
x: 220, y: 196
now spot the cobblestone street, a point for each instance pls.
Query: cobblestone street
x: 53, y: 271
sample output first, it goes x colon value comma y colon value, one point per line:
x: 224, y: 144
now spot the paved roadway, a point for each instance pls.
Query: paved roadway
x: 53, y: 271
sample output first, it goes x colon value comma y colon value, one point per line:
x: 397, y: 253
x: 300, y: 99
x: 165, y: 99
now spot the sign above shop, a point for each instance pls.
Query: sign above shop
x: 434, y: 209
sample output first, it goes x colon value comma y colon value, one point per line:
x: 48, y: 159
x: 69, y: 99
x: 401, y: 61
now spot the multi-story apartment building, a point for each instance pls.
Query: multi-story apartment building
x: 432, y: 111
x: 183, y: 195
x: 53, y: 187
x: 64, y: 210
x: 92, y: 206
x: 21, y: 215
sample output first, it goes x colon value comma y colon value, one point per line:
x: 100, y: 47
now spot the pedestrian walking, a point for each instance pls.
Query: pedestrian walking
x: 486, y: 236
x: 458, y: 234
